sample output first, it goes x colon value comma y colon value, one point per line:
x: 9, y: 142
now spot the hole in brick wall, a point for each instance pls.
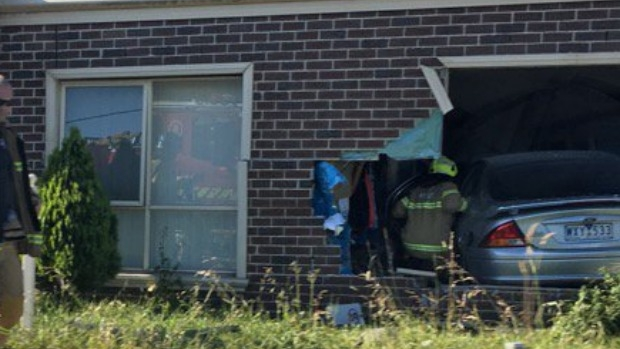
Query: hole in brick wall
x: 523, y: 109
x: 498, y: 110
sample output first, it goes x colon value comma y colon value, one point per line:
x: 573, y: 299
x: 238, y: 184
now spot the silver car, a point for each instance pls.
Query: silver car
x: 547, y: 217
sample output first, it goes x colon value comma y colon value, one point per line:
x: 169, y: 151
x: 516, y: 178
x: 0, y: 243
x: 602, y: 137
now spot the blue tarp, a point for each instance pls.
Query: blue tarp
x: 421, y: 142
x: 326, y: 177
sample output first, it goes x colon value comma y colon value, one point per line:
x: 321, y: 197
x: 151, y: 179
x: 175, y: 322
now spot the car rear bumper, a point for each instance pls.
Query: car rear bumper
x: 513, y: 266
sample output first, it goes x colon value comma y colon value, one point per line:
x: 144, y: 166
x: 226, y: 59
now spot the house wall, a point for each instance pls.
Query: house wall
x: 323, y: 84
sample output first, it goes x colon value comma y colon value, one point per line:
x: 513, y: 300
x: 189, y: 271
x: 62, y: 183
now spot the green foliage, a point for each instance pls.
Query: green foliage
x: 124, y: 324
x: 80, y: 245
x: 596, y: 313
x: 168, y: 286
x: 142, y: 323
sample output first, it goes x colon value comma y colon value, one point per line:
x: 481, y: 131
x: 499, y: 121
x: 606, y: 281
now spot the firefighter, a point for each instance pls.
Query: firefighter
x: 430, y: 209
x: 20, y: 228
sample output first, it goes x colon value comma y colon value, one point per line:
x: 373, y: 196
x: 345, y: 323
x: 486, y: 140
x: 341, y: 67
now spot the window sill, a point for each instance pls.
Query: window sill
x: 137, y: 280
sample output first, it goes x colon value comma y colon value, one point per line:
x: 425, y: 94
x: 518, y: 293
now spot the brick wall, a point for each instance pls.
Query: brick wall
x: 322, y: 84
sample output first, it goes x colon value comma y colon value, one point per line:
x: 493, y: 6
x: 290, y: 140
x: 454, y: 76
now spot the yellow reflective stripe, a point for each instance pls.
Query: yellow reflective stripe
x: 425, y: 205
x: 18, y: 166
x: 407, y: 203
x: 463, y: 205
x: 36, y: 239
x: 449, y: 192
x: 429, y: 205
x: 425, y: 248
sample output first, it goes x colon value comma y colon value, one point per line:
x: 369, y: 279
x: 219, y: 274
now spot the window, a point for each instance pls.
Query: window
x: 170, y: 152
x: 110, y: 118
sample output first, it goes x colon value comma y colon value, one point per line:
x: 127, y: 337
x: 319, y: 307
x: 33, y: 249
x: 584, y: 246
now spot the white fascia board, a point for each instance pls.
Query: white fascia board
x: 532, y: 60
x: 242, y: 10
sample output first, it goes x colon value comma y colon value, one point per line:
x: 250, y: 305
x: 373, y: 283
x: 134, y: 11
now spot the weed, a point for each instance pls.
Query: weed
x: 300, y: 323
x: 167, y: 285
x: 595, y: 314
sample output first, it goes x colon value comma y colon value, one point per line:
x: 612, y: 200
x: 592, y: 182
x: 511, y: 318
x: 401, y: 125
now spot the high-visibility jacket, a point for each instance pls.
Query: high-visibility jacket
x: 430, y: 211
x: 18, y: 197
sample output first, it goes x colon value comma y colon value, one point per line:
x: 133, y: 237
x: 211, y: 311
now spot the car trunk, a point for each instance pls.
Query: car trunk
x: 570, y: 225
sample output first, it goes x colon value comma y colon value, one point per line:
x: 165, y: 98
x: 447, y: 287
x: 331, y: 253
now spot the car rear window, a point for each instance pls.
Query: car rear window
x: 554, y: 179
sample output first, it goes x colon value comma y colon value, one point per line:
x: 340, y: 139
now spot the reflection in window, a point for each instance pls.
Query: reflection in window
x: 196, y: 142
x: 194, y: 240
x: 110, y: 120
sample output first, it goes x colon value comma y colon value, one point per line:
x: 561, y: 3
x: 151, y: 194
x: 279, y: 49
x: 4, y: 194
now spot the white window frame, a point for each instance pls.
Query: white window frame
x: 145, y: 113
x: 54, y: 124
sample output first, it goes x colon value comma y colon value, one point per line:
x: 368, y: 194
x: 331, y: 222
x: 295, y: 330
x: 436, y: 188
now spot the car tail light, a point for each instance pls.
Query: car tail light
x: 506, y: 235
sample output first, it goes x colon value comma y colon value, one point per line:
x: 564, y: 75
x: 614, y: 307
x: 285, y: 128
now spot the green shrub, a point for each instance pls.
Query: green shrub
x: 80, y: 244
x: 595, y: 314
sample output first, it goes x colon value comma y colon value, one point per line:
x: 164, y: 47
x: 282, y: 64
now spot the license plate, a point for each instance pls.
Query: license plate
x: 594, y: 232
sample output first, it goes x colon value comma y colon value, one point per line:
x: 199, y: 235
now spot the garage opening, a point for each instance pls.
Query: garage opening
x: 508, y: 110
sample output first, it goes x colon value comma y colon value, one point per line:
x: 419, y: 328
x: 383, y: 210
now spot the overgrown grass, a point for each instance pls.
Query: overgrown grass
x: 189, y: 320
x: 143, y: 324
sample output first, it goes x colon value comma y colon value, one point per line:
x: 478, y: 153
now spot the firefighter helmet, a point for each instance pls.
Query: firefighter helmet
x: 444, y: 165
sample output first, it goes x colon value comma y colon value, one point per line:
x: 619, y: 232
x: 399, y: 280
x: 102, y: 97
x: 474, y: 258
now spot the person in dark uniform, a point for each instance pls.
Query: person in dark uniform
x: 20, y: 228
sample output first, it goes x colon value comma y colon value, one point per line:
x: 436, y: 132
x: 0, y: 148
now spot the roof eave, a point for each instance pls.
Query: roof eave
x: 30, y: 6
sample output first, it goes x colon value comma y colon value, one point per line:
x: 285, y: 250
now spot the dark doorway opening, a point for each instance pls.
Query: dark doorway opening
x: 507, y: 110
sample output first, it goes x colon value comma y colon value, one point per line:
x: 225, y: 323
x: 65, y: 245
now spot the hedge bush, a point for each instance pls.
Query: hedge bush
x: 80, y: 243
